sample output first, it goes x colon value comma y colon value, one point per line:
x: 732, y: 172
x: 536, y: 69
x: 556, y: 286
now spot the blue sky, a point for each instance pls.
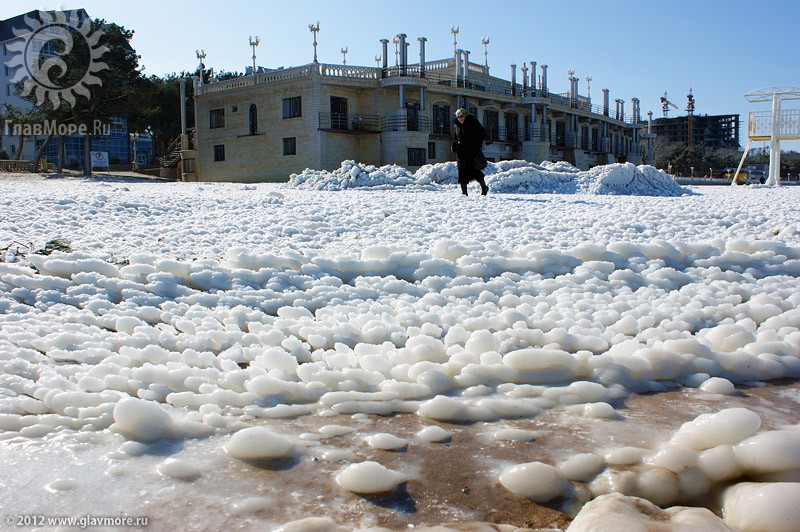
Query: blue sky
x: 720, y: 48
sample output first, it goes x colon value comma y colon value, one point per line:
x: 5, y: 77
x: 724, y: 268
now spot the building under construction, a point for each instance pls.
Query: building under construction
x: 717, y: 131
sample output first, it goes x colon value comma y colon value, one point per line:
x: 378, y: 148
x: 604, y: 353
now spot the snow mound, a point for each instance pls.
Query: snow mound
x: 354, y: 175
x: 628, y: 179
x: 516, y: 177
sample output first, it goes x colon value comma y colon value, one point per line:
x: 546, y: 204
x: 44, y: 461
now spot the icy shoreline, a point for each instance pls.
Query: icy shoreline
x: 189, y: 312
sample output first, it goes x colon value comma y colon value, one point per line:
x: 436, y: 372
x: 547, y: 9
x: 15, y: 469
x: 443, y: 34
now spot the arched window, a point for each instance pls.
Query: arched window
x: 253, y: 119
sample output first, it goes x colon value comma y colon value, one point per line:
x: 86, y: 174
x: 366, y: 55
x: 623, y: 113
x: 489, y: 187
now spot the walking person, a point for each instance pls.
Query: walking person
x: 468, y: 135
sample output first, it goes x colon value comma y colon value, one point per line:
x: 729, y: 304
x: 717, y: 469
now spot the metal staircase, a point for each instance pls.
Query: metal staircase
x: 173, y: 153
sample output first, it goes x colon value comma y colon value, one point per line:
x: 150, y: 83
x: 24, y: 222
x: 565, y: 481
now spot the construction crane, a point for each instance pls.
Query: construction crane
x: 689, y: 116
x: 666, y: 104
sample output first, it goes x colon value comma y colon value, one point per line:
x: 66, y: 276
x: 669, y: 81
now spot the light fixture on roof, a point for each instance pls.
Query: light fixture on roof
x: 485, y: 43
x: 314, y: 30
x: 253, y: 45
x: 201, y: 56
x: 454, y: 31
x: 344, y: 55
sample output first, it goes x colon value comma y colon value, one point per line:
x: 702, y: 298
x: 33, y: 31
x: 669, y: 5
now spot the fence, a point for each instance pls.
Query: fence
x: 23, y: 166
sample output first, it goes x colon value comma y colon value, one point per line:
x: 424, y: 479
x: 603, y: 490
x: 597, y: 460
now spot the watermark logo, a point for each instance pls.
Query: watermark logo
x: 56, y: 57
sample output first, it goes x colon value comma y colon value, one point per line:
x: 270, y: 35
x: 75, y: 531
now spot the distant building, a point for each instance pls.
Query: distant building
x: 264, y: 127
x: 8, y: 92
x: 119, y: 144
x: 711, y: 131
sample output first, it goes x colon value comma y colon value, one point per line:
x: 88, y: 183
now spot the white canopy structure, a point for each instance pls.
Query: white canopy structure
x: 774, y: 126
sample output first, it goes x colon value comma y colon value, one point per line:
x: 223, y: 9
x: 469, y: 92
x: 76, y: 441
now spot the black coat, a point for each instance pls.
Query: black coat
x: 467, y: 143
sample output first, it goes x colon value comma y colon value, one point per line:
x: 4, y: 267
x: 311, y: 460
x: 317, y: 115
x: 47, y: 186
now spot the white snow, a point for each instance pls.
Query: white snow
x: 200, y: 328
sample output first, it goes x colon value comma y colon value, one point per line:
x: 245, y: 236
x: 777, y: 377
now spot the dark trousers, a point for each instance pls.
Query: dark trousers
x: 481, y: 182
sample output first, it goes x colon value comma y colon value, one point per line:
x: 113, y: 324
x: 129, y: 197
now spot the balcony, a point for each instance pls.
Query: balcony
x: 356, y: 124
x: 405, y: 123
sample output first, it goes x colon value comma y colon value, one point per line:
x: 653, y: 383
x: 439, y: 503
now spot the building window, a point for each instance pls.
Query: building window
x: 431, y: 150
x: 412, y: 116
x: 216, y: 118
x: 491, y: 124
x: 290, y: 146
x: 441, y: 120
x: 292, y: 107
x: 339, y: 113
x: 253, y: 119
x: 512, y: 127
x: 416, y: 156
x: 219, y: 152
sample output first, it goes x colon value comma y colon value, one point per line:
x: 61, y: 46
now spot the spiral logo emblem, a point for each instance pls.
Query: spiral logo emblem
x: 56, y: 57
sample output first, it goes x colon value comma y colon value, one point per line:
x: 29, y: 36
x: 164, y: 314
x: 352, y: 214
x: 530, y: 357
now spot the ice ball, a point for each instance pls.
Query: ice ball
x: 718, y: 385
x: 755, y: 507
x: 770, y: 452
x: 535, y: 481
x: 709, y: 430
x: 386, y: 442
x: 259, y: 443
x: 434, y: 434
x: 369, y: 478
x: 581, y: 467
x: 141, y: 420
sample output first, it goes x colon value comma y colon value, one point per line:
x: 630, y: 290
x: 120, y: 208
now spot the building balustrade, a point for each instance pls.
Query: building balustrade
x: 478, y: 84
x: 356, y: 123
x: 405, y: 123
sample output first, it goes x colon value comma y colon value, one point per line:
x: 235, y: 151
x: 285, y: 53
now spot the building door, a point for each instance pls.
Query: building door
x: 561, y: 136
x: 491, y: 123
x: 412, y: 116
x: 441, y: 120
x: 512, y: 127
x: 339, y: 113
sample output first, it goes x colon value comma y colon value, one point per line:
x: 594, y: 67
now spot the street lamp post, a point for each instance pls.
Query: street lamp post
x: 135, y: 162
x: 314, y: 30
x: 253, y: 45
x: 692, y: 169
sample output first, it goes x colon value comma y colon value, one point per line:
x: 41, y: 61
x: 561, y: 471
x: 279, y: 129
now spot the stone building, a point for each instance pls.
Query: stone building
x: 269, y: 124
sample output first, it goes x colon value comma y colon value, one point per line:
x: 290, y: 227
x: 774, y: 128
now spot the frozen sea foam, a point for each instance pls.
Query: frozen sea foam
x: 369, y: 478
x: 259, y: 443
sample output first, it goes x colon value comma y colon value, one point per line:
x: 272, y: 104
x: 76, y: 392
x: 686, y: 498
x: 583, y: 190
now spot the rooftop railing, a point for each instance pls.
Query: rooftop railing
x: 440, y: 73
